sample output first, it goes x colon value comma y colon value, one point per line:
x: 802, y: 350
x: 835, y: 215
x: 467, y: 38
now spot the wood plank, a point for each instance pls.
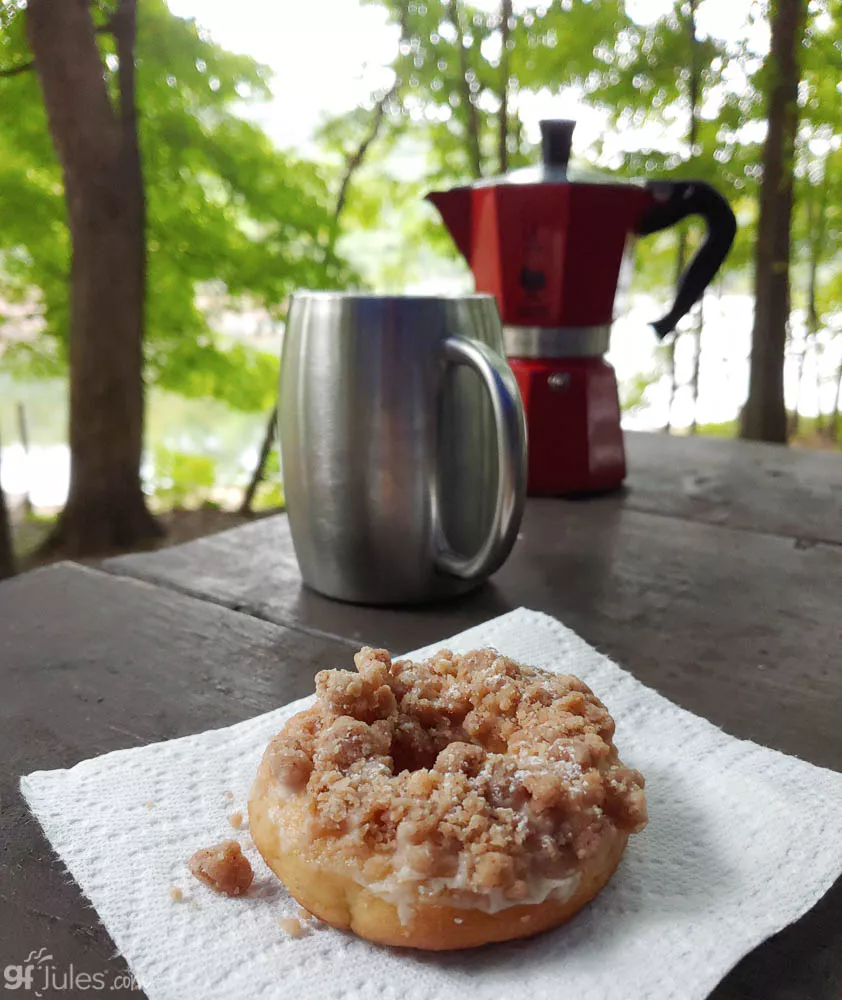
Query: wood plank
x: 739, y: 627
x: 739, y: 484
x: 89, y: 664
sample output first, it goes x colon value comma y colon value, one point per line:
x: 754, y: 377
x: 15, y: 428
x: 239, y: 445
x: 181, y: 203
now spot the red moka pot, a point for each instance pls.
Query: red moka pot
x: 549, y: 243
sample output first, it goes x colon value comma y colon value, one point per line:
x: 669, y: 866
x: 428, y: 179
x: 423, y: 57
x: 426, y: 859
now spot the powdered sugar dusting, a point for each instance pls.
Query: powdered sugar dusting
x: 472, y: 776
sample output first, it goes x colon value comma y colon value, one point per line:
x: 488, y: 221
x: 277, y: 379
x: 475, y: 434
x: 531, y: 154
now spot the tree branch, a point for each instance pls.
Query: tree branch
x: 503, y: 119
x: 17, y: 70
x: 260, y: 469
x: 355, y: 160
x: 467, y: 98
x: 123, y: 26
x: 353, y: 164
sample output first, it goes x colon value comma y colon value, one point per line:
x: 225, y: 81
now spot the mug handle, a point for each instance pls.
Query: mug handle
x: 510, y: 425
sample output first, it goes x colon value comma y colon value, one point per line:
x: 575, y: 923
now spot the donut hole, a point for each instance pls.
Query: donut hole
x: 408, y: 758
x: 443, y: 751
x: 414, y: 748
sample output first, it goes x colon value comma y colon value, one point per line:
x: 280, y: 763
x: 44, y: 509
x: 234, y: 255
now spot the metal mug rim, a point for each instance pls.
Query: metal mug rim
x: 337, y: 295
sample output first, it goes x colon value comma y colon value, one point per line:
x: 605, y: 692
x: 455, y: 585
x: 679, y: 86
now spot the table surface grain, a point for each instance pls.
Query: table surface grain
x: 715, y: 577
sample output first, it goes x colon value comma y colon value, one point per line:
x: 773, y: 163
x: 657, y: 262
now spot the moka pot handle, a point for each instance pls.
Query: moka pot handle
x: 672, y: 201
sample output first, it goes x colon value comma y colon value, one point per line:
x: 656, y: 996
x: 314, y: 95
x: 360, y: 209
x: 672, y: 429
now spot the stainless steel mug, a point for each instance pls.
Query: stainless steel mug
x: 403, y: 444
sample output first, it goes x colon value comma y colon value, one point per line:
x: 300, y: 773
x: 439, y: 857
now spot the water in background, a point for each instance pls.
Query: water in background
x: 175, y: 426
x: 232, y: 439
x: 723, y: 368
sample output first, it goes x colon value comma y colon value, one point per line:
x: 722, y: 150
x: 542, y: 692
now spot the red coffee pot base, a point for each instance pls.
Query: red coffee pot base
x: 573, y: 425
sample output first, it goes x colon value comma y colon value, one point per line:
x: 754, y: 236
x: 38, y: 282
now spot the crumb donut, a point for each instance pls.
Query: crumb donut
x: 446, y: 803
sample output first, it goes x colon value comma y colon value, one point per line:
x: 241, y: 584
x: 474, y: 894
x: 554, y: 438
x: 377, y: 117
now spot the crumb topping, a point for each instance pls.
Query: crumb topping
x: 224, y: 868
x: 468, y: 772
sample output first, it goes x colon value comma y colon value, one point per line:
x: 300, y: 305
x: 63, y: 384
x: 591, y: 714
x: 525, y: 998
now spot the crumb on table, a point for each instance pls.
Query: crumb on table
x: 236, y: 820
x: 223, y: 868
x: 291, y: 926
x: 176, y: 894
x: 149, y: 805
x: 304, y: 914
x: 229, y: 795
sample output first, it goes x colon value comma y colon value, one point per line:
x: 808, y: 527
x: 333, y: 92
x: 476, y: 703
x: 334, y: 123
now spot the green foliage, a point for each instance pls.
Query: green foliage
x: 633, y: 391
x: 812, y: 432
x: 726, y: 429
x: 444, y: 87
x: 817, y: 223
x: 29, y: 532
x: 270, y: 493
x: 574, y: 41
x: 224, y: 206
x: 180, y: 478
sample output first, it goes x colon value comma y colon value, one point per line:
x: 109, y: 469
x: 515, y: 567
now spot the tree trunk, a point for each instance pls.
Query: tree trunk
x: 764, y: 415
x: 833, y: 430
x: 697, y: 363
x: 262, y: 459
x: 695, y: 81
x: 471, y: 119
x: 793, y: 419
x: 673, y: 382
x: 23, y: 434
x: 503, y: 119
x: 693, y: 101
x: 819, y: 425
x: 100, y: 158
x: 680, y: 256
x: 817, y: 218
x: 694, y: 95
x: 694, y: 89
x: 815, y: 237
x: 7, y: 558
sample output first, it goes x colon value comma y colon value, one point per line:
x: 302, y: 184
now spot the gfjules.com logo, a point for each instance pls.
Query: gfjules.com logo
x: 40, y: 976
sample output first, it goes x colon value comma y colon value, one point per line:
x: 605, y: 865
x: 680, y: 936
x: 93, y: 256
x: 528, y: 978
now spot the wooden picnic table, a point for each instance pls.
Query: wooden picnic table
x: 715, y: 577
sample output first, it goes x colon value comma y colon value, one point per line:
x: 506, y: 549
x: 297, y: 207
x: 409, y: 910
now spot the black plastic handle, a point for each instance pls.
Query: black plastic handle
x: 673, y: 201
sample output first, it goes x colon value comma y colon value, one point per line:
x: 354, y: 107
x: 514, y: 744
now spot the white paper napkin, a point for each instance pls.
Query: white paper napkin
x: 742, y: 840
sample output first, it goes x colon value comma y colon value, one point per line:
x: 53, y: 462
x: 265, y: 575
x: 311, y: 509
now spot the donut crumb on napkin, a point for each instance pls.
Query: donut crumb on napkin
x: 741, y: 841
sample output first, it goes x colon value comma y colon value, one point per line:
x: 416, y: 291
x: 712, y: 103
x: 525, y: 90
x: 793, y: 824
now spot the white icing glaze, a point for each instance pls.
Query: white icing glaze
x: 406, y: 888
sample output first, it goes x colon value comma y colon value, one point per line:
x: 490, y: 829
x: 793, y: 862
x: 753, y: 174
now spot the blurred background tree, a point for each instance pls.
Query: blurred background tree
x: 7, y: 557
x: 216, y: 202
x: 764, y: 415
x: 817, y: 211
